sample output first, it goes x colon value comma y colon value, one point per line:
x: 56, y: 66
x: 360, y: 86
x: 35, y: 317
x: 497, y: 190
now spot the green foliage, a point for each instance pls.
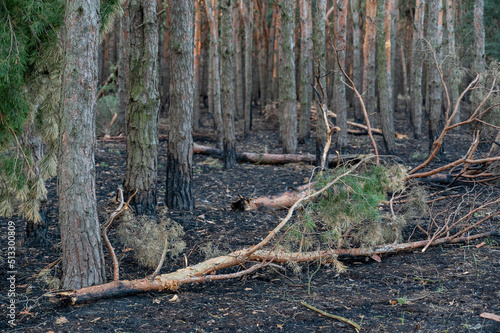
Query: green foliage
x: 354, y: 211
x: 30, y: 68
x: 465, y: 26
x: 27, y: 30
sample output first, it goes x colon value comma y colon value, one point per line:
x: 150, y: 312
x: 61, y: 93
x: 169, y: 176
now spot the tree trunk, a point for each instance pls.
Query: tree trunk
x: 34, y: 209
x: 246, y: 9
x: 390, y: 26
x: 319, y: 41
x: 384, y: 95
x: 340, y: 96
x: 123, y: 79
x: 164, y: 59
x: 435, y: 37
x: 405, y: 88
x: 197, y: 67
x: 453, y: 67
x: 179, y: 188
x: 271, y: 56
x: 356, y: 58
x: 83, y: 259
x: 479, y: 53
x: 287, y: 92
x: 416, y: 69
x: 143, y: 108
x: 212, y: 16
x: 306, y: 67
x: 238, y: 64
x: 263, y: 52
x: 227, y: 84
x: 369, y: 59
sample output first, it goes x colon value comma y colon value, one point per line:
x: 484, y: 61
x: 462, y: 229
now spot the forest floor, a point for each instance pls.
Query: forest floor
x: 444, y: 289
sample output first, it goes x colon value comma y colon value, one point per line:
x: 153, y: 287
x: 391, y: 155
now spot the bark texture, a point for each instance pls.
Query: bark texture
x: 82, y: 260
x: 356, y: 57
x: 320, y: 71
x: 435, y: 37
x: 123, y: 67
x: 287, y: 92
x: 238, y: 63
x: 369, y: 59
x: 416, y: 69
x: 143, y: 108
x: 197, y: 65
x: 246, y: 9
x: 479, y: 52
x: 384, y: 96
x: 452, y: 65
x: 306, y: 68
x: 35, y: 208
x: 179, y: 188
x: 227, y: 84
x: 213, y: 22
x: 340, y: 96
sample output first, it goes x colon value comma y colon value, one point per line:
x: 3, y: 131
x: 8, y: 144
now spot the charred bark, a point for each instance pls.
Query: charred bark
x: 143, y: 108
x: 179, y: 193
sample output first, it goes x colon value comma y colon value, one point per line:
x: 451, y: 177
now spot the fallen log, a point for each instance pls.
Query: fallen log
x: 273, y: 159
x: 200, y: 272
x: 284, y: 200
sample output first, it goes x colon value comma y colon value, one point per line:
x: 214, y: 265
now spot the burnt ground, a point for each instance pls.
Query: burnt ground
x: 444, y: 289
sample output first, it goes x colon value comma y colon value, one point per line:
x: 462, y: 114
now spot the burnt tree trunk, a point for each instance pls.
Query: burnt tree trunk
x: 143, y: 108
x: 179, y: 187
x: 227, y: 84
x: 82, y: 259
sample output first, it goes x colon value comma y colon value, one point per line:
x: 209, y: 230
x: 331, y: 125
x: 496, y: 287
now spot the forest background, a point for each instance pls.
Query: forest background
x: 208, y: 67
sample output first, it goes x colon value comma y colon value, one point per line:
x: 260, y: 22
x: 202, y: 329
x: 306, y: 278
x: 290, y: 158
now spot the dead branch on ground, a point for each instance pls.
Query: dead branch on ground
x: 468, y: 160
x: 264, y: 256
x: 272, y: 159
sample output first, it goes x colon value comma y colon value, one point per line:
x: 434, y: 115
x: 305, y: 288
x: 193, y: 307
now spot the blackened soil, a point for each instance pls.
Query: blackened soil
x: 444, y: 289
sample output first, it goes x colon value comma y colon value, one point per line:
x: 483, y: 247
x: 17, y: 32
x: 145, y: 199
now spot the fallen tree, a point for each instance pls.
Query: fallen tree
x: 273, y: 159
x: 264, y: 254
x: 202, y: 272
